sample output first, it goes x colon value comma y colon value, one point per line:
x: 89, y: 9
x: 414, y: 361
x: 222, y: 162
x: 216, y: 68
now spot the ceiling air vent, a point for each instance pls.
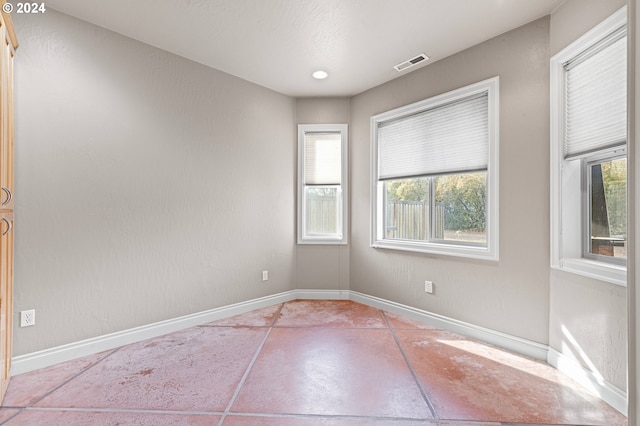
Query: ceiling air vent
x: 411, y: 62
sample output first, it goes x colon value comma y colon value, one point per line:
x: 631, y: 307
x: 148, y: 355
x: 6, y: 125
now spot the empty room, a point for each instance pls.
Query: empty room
x: 318, y: 212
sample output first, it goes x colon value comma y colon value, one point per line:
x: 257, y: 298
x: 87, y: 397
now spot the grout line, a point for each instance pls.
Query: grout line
x: 435, y: 421
x: 249, y: 367
x: 73, y: 377
x: 238, y: 414
x: 327, y: 327
x: 298, y: 327
x: 413, y: 373
x: 276, y: 317
x: 124, y: 410
x: 336, y: 417
x: 20, y: 410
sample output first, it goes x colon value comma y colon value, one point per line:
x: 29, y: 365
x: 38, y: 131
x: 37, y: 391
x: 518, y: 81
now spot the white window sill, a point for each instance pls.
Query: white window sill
x: 322, y: 241
x: 614, y: 274
x: 439, y: 248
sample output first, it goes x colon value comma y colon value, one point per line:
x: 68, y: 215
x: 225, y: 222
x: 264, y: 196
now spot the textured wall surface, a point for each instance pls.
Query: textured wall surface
x: 575, y: 17
x: 510, y: 295
x: 147, y: 186
x: 324, y: 267
x: 588, y: 318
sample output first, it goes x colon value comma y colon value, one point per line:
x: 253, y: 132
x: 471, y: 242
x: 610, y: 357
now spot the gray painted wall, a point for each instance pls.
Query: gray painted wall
x: 511, y: 295
x: 149, y: 186
x: 587, y: 318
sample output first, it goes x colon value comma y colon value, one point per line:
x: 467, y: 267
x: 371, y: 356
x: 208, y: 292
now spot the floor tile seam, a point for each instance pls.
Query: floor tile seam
x: 249, y: 368
x: 449, y: 422
x: 326, y: 327
x: 332, y: 416
x: 456, y: 421
x: 422, y: 390
x: 73, y: 377
x: 124, y: 410
x: 20, y: 410
x: 231, y: 326
x: 480, y: 423
x: 414, y: 329
x: 277, y: 315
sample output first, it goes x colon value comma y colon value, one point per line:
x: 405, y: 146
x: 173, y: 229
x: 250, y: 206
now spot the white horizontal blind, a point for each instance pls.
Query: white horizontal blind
x: 596, y: 97
x: 322, y: 159
x: 453, y: 137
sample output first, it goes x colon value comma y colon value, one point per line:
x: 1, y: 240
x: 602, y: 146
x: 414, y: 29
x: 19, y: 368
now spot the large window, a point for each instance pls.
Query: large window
x: 588, y: 153
x: 322, y: 184
x: 435, y: 174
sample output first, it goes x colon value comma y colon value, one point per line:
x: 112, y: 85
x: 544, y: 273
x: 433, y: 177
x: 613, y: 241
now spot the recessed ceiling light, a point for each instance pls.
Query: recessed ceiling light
x: 320, y: 75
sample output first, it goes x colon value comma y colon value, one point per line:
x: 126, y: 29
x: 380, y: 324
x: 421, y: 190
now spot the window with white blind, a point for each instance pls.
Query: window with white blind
x: 322, y: 184
x: 588, y: 153
x: 435, y: 174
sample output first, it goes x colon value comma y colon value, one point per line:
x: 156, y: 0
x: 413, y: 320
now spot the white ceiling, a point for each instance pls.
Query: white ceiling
x: 279, y: 43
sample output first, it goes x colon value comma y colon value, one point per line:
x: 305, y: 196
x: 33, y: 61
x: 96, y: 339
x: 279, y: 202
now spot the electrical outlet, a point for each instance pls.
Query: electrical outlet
x: 265, y: 275
x: 428, y: 287
x: 28, y: 318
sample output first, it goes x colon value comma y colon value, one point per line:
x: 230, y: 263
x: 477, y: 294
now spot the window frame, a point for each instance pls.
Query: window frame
x: 442, y: 247
x: 569, y: 206
x: 341, y: 237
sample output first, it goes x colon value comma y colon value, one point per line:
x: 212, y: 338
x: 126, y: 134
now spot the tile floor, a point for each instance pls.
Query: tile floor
x: 304, y: 363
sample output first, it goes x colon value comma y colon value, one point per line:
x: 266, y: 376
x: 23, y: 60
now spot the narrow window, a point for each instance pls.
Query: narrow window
x: 589, y: 153
x: 322, y: 184
x: 435, y: 173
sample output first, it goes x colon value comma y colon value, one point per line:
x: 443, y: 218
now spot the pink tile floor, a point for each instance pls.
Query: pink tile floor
x: 304, y: 363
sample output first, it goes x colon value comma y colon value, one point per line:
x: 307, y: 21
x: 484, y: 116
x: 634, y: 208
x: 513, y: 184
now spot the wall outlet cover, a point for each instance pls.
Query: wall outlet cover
x: 28, y: 318
x: 428, y: 287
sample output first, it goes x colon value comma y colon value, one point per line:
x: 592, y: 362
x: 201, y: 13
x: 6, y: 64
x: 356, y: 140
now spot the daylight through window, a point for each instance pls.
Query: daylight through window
x: 589, y: 153
x: 322, y: 175
x: 435, y: 174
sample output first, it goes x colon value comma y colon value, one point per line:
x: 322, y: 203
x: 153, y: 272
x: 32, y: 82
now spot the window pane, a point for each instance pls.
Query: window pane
x: 461, y: 207
x: 608, y: 194
x: 322, y: 158
x: 450, y: 137
x: 415, y: 149
x: 596, y: 97
x: 407, y: 209
x: 322, y: 210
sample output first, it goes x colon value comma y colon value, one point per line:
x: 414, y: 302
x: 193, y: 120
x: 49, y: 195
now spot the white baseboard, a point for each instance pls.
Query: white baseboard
x: 322, y: 294
x: 45, y: 358
x: 609, y: 393
x: 503, y: 340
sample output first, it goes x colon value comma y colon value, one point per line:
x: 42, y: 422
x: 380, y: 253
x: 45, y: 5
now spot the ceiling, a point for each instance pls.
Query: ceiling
x: 279, y: 43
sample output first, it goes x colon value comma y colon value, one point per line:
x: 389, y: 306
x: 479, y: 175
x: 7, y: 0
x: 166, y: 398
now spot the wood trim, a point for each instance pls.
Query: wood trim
x: 10, y: 30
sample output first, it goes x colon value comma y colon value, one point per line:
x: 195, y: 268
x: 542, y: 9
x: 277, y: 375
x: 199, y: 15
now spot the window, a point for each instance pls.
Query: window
x: 435, y: 174
x: 588, y: 154
x: 322, y: 184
